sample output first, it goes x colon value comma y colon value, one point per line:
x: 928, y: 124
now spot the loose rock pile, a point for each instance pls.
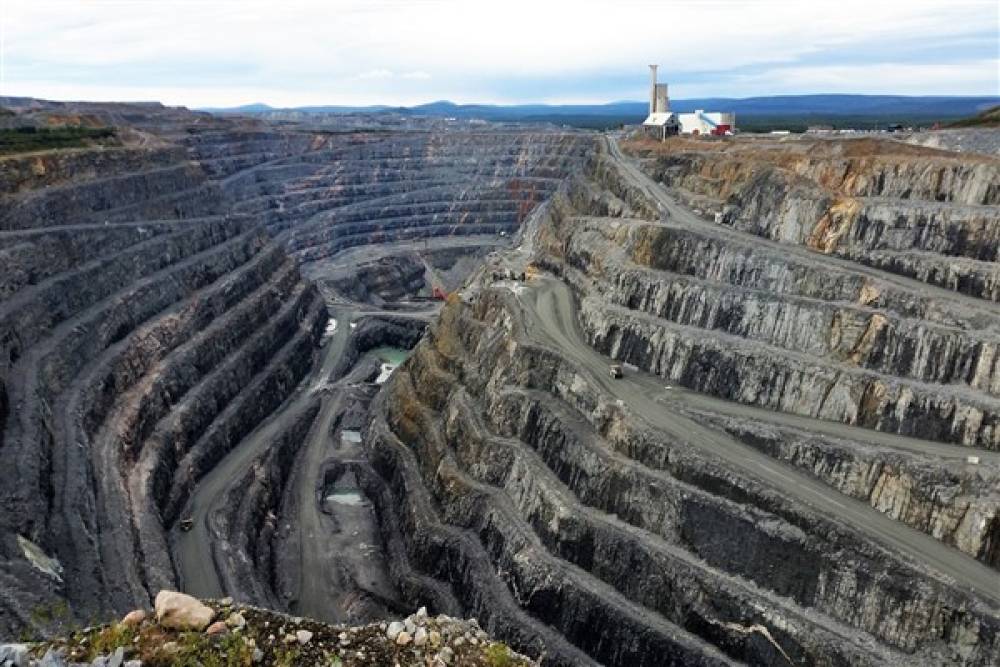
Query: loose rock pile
x: 185, y: 630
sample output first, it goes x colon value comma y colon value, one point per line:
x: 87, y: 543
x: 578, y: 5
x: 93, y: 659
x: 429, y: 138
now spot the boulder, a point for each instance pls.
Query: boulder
x: 134, y: 618
x: 52, y: 658
x: 180, y: 611
x: 15, y: 655
x: 217, y: 628
x: 394, y: 629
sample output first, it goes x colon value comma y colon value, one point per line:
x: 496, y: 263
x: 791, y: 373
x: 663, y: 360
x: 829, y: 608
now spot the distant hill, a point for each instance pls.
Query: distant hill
x: 782, y: 105
x: 793, y: 110
x: 246, y: 108
x: 988, y: 118
x: 265, y: 108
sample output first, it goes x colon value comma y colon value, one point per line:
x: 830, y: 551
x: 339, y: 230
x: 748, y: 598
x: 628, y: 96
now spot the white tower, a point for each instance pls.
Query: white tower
x: 652, y: 89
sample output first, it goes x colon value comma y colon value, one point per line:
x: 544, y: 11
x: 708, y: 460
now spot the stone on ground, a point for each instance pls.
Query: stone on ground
x: 179, y: 611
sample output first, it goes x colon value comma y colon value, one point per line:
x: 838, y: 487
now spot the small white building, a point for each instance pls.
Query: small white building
x: 719, y: 123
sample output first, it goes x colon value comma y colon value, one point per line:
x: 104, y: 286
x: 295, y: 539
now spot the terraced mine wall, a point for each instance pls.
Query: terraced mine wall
x: 130, y: 373
x: 849, y: 344
x: 924, y: 213
x: 244, y: 549
x: 779, y: 477
x: 753, y: 325
x: 155, y: 329
x: 537, y: 484
x: 568, y: 523
x: 385, y: 279
x: 144, y: 331
x: 950, y: 502
x: 113, y: 185
x: 402, y: 185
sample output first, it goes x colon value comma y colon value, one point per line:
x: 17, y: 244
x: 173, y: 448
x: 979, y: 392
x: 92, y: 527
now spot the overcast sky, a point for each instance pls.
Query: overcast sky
x: 299, y: 52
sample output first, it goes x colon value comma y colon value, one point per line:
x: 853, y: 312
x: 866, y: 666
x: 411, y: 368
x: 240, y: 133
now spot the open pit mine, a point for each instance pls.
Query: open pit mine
x: 712, y: 401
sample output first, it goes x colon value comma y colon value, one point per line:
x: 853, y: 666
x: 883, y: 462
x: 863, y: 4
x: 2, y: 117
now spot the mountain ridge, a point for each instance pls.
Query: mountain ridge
x: 826, y: 104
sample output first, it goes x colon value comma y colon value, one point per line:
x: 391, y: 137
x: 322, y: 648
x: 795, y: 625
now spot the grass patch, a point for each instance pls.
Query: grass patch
x: 104, y: 641
x: 498, y: 655
x: 227, y: 651
x: 28, y: 139
x: 150, y: 644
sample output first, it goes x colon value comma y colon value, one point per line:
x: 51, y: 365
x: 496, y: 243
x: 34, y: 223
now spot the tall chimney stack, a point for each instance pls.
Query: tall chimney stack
x: 652, y: 89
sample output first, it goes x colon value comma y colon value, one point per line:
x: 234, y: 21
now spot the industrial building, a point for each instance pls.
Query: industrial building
x: 707, y: 122
x: 662, y: 122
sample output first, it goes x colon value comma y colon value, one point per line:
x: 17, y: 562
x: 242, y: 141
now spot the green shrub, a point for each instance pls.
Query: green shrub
x: 498, y: 655
x: 27, y: 139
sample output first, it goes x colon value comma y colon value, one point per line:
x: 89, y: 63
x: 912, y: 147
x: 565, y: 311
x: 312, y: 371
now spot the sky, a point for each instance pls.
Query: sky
x: 202, y: 53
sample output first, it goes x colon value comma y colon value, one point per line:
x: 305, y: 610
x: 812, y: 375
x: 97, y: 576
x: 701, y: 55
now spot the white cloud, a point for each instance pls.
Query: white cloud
x: 383, y: 73
x: 198, y: 52
x: 376, y: 74
x: 915, y: 79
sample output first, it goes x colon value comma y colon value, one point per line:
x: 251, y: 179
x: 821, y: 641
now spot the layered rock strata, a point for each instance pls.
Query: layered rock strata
x: 925, y: 213
x: 637, y: 522
x: 164, y: 407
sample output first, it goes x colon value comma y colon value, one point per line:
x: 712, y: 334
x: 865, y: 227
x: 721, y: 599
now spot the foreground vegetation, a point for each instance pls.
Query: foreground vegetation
x: 29, y: 139
x: 244, y: 636
x: 988, y: 118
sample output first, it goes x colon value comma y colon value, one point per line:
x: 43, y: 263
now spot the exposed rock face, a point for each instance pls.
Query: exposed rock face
x: 954, y: 502
x: 548, y: 507
x: 111, y: 185
x: 846, y: 344
x: 965, y: 140
x: 134, y: 355
x: 385, y: 279
x: 154, y: 338
x: 779, y: 477
x: 142, y: 335
x: 919, y: 212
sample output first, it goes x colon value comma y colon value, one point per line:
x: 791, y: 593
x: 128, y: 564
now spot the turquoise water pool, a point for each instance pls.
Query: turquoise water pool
x: 391, y: 355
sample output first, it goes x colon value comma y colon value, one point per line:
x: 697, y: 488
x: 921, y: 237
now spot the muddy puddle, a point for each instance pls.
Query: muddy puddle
x: 342, y: 491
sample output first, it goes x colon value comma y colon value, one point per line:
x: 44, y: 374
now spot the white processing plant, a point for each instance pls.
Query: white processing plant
x: 662, y: 122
